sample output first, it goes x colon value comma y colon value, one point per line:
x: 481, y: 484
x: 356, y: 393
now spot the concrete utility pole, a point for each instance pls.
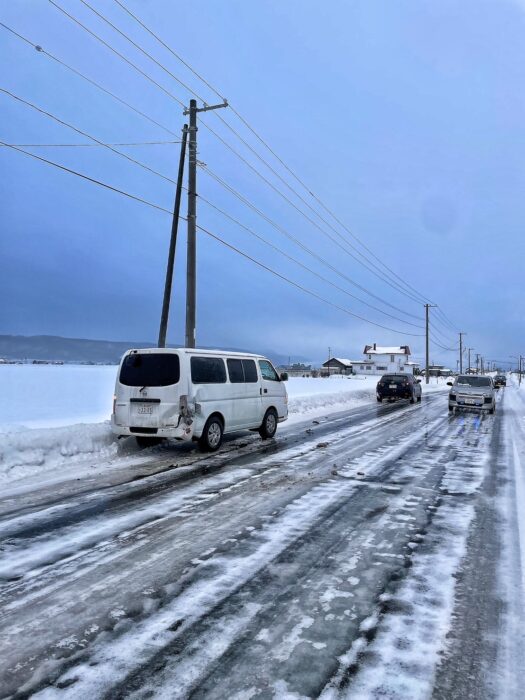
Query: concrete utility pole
x: 477, y: 362
x: 461, y: 352
x: 469, y: 349
x: 427, y: 307
x: 191, y: 268
x: 173, y: 245
x: 482, y: 367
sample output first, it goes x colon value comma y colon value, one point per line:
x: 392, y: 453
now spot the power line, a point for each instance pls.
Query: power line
x: 179, y: 58
x: 86, y: 177
x: 117, y: 53
x: 41, y: 50
x: 211, y: 235
x: 137, y: 111
x: 237, y: 194
x: 283, y: 231
x: 441, y: 335
x: 155, y: 172
x: 84, y: 133
x: 297, y: 262
x: 378, y: 274
x: 260, y: 139
x: 277, y: 157
x: 92, y: 145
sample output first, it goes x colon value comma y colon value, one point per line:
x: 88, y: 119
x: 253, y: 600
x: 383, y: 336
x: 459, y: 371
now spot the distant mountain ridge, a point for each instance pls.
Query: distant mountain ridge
x: 54, y: 348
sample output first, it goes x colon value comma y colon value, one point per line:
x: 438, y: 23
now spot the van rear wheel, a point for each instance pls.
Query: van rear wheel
x: 269, y: 425
x: 211, y: 438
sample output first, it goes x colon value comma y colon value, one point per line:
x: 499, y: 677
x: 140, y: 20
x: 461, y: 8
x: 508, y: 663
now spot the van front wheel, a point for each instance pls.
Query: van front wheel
x: 269, y: 425
x: 211, y: 437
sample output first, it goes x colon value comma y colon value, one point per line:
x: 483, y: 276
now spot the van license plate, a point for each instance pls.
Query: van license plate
x: 470, y: 402
x: 145, y: 409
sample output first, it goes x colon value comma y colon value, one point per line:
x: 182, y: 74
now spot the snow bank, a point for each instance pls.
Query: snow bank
x: 29, y: 452
x: 57, y: 416
x: 43, y: 396
x: 309, y: 396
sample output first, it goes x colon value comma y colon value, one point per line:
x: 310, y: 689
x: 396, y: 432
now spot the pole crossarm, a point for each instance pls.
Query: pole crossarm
x: 206, y: 108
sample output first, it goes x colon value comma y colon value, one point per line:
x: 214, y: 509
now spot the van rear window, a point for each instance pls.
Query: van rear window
x: 208, y: 370
x: 150, y: 369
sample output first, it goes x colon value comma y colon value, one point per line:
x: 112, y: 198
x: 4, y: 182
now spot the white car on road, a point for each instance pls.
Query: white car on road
x: 472, y: 391
x: 191, y: 394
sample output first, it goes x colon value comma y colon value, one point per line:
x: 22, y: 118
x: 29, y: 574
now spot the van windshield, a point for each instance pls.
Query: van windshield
x: 150, y: 369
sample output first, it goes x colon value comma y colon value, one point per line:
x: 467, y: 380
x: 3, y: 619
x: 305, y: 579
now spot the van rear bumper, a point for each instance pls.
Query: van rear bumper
x: 181, y: 432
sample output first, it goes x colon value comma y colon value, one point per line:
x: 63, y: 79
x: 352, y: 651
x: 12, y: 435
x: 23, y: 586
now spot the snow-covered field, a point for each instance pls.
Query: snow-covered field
x: 58, y: 416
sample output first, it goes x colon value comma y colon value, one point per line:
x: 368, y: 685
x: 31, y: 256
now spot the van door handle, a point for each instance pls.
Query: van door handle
x: 266, y: 391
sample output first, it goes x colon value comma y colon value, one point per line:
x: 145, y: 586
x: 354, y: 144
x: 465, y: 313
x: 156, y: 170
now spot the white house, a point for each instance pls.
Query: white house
x: 381, y: 360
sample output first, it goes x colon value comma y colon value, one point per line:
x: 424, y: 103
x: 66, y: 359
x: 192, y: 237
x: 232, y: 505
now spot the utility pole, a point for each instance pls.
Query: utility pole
x: 173, y: 245
x: 461, y: 352
x: 482, y: 367
x: 427, y: 307
x: 519, y: 376
x: 469, y: 349
x: 191, y: 267
x: 477, y: 362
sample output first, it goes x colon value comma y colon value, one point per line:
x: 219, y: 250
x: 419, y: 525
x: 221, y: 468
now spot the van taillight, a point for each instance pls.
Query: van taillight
x: 114, y: 402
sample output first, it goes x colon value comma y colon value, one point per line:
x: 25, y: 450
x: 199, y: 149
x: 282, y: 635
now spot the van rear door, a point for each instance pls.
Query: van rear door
x: 148, y: 394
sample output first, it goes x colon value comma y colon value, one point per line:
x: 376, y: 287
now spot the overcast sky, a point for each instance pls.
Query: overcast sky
x: 405, y: 117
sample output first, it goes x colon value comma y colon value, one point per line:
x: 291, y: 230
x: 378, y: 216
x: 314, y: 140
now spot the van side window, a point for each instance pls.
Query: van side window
x: 235, y: 371
x: 268, y: 371
x: 207, y: 370
x: 250, y: 371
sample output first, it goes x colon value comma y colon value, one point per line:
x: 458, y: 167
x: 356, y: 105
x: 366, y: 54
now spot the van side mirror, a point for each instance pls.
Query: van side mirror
x: 284, y: 376
x: 450, y: 383
x: 418, y: 381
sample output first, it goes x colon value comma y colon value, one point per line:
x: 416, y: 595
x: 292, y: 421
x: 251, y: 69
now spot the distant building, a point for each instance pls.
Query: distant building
x: 337, y: 365
x: 385, y: 359
x: 297, y: 369
x: 439, y: 371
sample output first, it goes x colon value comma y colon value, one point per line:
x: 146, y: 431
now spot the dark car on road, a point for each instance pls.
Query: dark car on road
x: 500, y: 380
x: 398, y: 386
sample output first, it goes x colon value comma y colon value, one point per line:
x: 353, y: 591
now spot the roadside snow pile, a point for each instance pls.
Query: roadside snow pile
x: 44, y: 396
x: 308, y: 395
x: 30, y: 452
x: 54, y: 416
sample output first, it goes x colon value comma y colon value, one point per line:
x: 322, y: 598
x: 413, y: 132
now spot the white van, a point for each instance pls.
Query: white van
x: 191, y: 394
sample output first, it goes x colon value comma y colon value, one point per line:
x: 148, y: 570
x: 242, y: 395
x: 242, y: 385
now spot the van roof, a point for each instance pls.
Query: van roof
x: 193, y: 351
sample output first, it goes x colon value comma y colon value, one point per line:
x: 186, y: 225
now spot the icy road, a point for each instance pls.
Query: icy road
x: 375, y: 553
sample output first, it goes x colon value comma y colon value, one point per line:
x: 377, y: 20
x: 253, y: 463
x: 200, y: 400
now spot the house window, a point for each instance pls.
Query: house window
x: 361, y: 366
x: 401, y: 368
x: 382, y: 369
x: 370, y: 357
x: 392, y: 358
x: 369, y: 367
